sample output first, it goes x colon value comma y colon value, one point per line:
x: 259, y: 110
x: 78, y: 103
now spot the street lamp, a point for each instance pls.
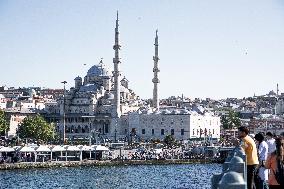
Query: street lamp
x: 64, y: 82
x: 115, y: 131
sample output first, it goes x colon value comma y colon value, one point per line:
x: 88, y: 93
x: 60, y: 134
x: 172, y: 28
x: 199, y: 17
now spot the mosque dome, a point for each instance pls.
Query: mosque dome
x: 99, y: 70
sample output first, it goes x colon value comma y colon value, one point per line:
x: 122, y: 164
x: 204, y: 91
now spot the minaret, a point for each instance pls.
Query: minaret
x: 156, y: 80
x: 116, y: 73
x: 277, y: 90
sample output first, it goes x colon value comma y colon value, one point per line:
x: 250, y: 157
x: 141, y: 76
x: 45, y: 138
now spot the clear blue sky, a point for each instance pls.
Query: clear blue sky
x: 217, y: 49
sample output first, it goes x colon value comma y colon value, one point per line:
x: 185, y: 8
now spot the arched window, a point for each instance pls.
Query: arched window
x: 86, y: 129
x: 79, y: 129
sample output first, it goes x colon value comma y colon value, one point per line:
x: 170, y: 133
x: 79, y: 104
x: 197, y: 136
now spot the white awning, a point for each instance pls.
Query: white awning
x: 58, y: 149
x: 7, y: 149
x: 72, y: 148
x: 43, y: 149
x: 86, y: 148
x: 27, y: 149
x: 100, y: 148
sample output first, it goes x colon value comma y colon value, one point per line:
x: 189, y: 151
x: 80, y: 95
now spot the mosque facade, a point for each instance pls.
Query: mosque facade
x: 102, y: 106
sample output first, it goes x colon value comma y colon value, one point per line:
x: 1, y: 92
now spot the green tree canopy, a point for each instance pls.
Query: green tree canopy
x: 231, y: 120
x: 36, y: 128
x: 170, y: 141
x: 4, y: 126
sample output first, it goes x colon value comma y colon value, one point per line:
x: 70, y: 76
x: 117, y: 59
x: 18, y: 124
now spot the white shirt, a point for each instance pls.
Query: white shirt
x: 271, y: 145
x: 262, y: 156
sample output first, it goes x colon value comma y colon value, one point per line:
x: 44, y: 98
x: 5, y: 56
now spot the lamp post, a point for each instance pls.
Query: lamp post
x: 64, y: 82
x: 115, y: 131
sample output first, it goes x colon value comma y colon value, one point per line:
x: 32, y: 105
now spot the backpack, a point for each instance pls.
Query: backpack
x: 279, y: 173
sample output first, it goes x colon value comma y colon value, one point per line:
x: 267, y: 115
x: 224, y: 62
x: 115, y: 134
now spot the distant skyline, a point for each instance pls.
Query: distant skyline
x: 214, y: 49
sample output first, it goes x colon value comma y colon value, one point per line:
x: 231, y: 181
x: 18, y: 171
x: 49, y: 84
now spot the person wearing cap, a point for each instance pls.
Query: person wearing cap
x: 262, y: 173
x: 249, y: 146
x: 270, y: 142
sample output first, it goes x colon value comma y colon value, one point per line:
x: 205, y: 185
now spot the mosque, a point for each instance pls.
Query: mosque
x: 101, y: 106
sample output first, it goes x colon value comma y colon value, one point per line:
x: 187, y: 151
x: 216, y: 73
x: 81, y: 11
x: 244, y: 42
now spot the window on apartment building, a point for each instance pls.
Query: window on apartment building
x: 143, y: 131
x: 172, y: 132
x: 182, y: 132
x: 153, y: 131
x: 162, y: 131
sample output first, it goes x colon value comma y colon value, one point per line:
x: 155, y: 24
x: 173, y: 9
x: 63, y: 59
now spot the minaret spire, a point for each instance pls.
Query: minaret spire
x: 116, y: 72
x: 156, y: 80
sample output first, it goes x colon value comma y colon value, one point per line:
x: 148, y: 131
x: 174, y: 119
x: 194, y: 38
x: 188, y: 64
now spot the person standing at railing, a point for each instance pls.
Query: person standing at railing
x: 271, y: 142
x: 262, y: 172
x: 249, y: 146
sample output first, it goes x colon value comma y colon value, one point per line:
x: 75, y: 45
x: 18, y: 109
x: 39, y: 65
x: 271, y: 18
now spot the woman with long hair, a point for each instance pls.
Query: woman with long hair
x: 272, y: 164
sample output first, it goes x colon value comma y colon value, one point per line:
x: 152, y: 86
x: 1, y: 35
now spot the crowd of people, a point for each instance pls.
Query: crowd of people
x: 265, y: 158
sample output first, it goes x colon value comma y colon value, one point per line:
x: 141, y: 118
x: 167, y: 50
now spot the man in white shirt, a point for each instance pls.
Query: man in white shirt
x: 271, y: 142
x: 262, y: 149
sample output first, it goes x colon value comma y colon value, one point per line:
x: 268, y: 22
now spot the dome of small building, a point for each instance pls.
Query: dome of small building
x: 123, y: 89
x: 78, y: 78
x: 99, y: 70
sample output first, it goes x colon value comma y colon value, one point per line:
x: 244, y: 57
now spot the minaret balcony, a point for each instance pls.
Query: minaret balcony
x: 116, y: 47
x: 156, y: 70
x: 155, y: 80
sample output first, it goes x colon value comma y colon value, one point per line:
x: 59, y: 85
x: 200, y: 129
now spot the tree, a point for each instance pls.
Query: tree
x: 4, y: 126
x: 231, y: 120
x: 169, y: 140
x: 36, y: 128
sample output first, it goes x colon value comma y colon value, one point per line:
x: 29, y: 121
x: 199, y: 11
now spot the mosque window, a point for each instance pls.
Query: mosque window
x: 106, y: 128
x: 153, y: 131
x: 182, y: 131
x: 172, y: 132
x: 172, y: 121
x: 162, y: 132
x: 143, y: 131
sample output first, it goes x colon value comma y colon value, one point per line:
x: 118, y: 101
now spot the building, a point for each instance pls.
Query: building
x: 181, y: 123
